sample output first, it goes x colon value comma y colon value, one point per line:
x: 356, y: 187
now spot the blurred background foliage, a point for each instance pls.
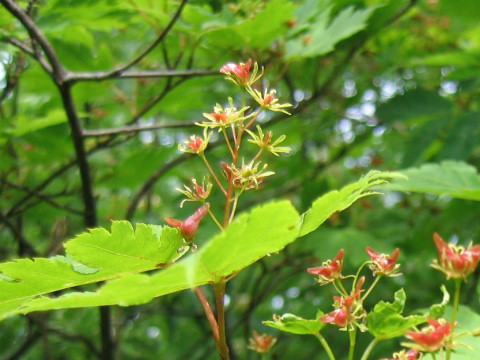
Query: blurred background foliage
x: 381, y: 85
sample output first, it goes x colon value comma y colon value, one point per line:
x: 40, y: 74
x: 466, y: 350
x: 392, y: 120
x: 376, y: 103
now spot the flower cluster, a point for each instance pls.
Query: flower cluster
x: 233, y: 121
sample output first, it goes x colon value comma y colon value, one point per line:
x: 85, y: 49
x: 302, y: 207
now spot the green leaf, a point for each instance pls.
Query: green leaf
x: 334, y: 201
x: 91, y: 257
x: 25, y: 124
x: 266, y: 229
x: 448, y: 178
x: 437, y: 310
x: 462, y: 137
x: 295, y: 324
x: 322, y: 36
x: 414, y: 104
x: 468, y: 321
x: 257, y: 32
x: 386, y: 320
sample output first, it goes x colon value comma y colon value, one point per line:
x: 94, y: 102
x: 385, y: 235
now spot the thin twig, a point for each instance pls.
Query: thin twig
x: 136, y: 128
x: 28, y: 50
x: 46, y: 198
x: 37, y: 36
x: 24, y: 246
x: 103, y: 75
x: 106, y: 75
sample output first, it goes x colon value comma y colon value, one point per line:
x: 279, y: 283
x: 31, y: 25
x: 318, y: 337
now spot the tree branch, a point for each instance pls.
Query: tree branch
x: 136, y: 128
x: 123, y: 74
x: 37, y: 36
x: 46, y: 198
x: 151, y: 181
x: 24, y: 246
x: 28, y: 50
x: 104, y: 75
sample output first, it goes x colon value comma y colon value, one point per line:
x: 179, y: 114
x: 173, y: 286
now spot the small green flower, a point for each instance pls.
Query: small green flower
x: 268, y: 100
x: 248, y: 176
x: 196, y: 144
x: 196, y: 192
x: 223, y: 117
x: 264, y: 141
x: 239, y: 74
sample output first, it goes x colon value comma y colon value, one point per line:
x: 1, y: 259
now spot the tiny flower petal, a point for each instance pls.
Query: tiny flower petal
x: 338, y: 317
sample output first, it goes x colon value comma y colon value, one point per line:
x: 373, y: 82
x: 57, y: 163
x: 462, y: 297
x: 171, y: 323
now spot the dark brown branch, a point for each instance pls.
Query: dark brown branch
x: 107, y: 75
x: 24, y: 246
x: 90, y: 214
x: 28, y: 50
x: 118, y: 71
x: 151, y: 181
x: 37, y: 36
x: 76, y: 337
x: 41, y: 186
x: 46, y: 198
x: 136, y: 128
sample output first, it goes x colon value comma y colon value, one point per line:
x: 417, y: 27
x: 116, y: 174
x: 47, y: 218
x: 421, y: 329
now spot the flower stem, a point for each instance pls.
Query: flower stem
x: 325, y: 345
x: 204, y: 158
x: 369, y: 349
x: 353, y: 337
x: 456, y: 301
x: 227, y: 140
x: 219, y: 288
x: 215, y: 219
x: 375, y: 282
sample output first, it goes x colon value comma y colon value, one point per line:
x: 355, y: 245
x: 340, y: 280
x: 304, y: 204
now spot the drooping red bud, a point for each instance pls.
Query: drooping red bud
x: 189, y: 227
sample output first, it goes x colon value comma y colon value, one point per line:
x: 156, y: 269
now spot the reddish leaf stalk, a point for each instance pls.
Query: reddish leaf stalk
x: 209, y: 314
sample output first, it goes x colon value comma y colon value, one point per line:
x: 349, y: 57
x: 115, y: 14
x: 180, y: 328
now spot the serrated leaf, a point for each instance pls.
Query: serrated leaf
x: 448, y: 178
x: 386, y: 320
x: 257, y: 32
x: 295, y: 324
x: 338, y: 200
x: 92, y: 257
x: 322, y: 36
x: 266, y: 229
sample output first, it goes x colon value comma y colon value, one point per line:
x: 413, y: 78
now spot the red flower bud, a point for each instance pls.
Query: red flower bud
x: 241, y: 71
x: 189, y: 227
